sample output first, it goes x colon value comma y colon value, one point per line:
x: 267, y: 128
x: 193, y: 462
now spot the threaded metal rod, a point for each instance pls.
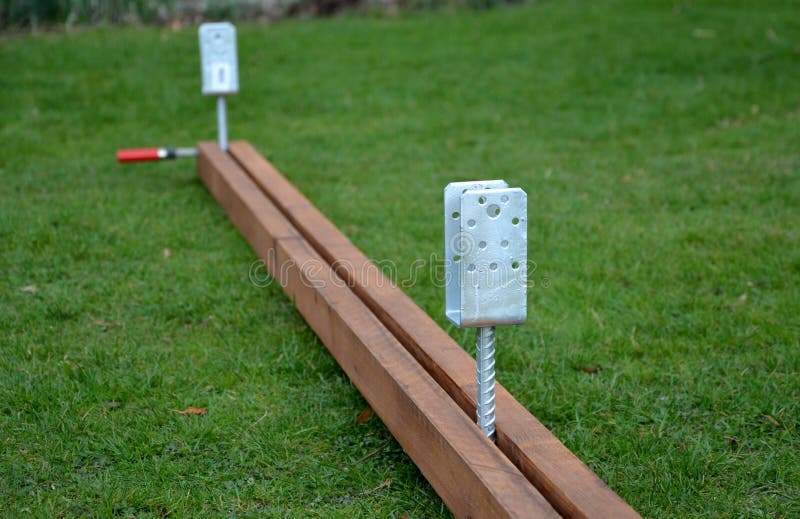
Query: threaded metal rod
x: 486, y: 393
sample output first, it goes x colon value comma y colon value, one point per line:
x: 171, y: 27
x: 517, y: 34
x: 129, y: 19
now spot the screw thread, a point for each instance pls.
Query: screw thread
x: 486, y: 392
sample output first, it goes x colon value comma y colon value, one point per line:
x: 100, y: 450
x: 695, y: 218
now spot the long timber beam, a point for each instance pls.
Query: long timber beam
x: 472, y: 476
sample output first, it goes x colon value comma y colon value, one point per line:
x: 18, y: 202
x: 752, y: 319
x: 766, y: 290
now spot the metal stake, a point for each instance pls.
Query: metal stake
x: 220, y: 69
x: 222, y: 123
x: 486, y: 248
x: 486, y: 394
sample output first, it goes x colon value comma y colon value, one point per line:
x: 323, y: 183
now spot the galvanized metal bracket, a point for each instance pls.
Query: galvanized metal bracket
x: 219, y: 59
x: 486, y: 252
x: 220, y: 69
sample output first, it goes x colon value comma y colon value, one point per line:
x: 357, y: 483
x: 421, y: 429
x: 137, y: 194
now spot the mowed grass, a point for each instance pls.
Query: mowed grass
x: 659, y: 143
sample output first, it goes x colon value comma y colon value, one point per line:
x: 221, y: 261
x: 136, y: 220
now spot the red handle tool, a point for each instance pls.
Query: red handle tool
x: 152, y: 154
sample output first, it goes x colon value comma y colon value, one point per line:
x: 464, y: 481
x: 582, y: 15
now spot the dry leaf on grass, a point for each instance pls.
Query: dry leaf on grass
x: 104, y: 325
x: 30, y: 289
x: 194, y: 410
x: 588, y: 369
x: 364, y: 415
x: 733, y: 440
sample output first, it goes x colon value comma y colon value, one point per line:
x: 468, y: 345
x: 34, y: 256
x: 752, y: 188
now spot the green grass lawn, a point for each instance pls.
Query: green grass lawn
x: 659, y: 143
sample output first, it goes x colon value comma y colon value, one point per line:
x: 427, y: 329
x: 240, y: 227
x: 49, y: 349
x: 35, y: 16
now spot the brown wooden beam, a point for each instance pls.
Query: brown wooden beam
x: 471, y: 475
x: 570, y: 486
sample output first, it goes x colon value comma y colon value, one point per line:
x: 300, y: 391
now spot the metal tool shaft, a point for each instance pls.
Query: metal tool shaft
x: 486, y: 391
x: 222, y: 123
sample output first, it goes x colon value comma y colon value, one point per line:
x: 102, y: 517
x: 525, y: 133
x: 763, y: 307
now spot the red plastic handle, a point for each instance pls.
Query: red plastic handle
x: 138, y: 155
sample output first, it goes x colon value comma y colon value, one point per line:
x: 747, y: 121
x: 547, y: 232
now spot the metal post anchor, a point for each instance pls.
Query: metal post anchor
x: 486, y: 252
x: 220, y: 69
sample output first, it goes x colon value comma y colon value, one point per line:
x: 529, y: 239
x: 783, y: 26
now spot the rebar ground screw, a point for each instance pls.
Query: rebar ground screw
x: 486, y: 393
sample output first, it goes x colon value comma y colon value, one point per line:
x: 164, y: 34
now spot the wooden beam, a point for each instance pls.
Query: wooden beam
x: 570, y: 486
x: 471, y: 475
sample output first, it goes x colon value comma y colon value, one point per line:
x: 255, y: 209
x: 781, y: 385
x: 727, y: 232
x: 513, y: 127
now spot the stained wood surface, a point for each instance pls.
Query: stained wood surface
x: 570, y: 486
x: 472, y: 476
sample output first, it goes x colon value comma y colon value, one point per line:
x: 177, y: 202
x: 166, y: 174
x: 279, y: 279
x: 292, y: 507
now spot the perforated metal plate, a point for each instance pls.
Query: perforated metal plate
x: 218, y: 58
x: 453, y: 247
x: 486, y: 243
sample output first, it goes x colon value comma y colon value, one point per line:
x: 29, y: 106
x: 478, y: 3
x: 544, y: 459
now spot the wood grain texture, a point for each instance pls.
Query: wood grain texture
x: 472, y: 476
x: 570, y: 486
